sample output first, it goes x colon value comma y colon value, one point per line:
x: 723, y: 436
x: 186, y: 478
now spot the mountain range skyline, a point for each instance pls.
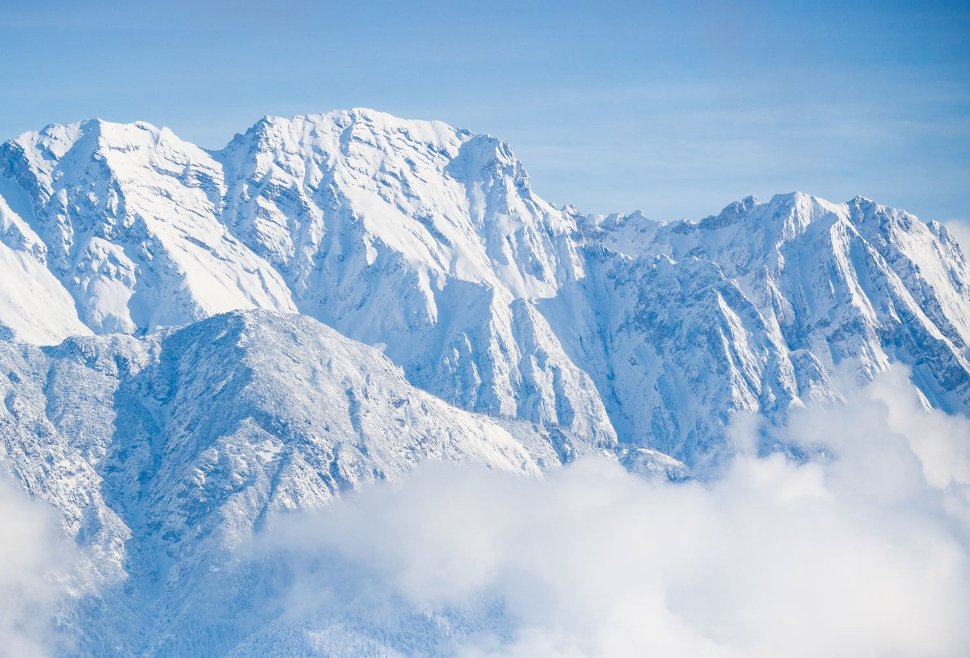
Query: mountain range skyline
x: 675, y: 109
x: 959, y: 223
x: 429, y: 241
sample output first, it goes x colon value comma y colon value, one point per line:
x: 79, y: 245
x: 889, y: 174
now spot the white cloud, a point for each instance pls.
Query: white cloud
x: 960, y: 229
x: 862, y: 554
x: 35, y: 560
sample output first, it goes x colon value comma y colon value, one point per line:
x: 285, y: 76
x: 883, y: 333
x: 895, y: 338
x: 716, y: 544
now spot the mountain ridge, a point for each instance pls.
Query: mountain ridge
x: 429, y: 242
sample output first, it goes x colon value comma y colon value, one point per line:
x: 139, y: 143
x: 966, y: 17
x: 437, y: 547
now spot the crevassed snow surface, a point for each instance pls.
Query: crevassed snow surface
x: 398, y: 293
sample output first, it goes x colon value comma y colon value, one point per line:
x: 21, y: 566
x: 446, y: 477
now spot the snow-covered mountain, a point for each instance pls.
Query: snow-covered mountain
x: 162, y: 453
x: 192, y: 339
x: 426, y: 240
x: 429, y: 243
x: 410, y: 235
x: 125, y: 219
x: 755, y: 309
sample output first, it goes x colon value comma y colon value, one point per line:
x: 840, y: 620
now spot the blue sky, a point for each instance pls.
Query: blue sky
x: 673, y: 108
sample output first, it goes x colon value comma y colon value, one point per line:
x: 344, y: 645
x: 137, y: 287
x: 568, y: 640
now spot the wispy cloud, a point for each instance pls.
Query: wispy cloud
x: 36, y: 561
x: 960, y: 229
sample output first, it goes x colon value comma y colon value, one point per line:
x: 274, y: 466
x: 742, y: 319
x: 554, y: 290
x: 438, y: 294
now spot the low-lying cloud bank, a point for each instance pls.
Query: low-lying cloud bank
x: 862, y: 551
x: 36, y: 563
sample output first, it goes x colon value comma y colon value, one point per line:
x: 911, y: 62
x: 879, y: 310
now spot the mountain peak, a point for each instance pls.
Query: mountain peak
x: 112, y: 131
x: 362, y: 125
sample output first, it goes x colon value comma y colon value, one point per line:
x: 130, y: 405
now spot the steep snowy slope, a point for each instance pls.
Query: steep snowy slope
x: 33, y: 303
x: 421, y: 238
x: 757, y: 308
x: 162, y: 452
x: 127, y: 218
